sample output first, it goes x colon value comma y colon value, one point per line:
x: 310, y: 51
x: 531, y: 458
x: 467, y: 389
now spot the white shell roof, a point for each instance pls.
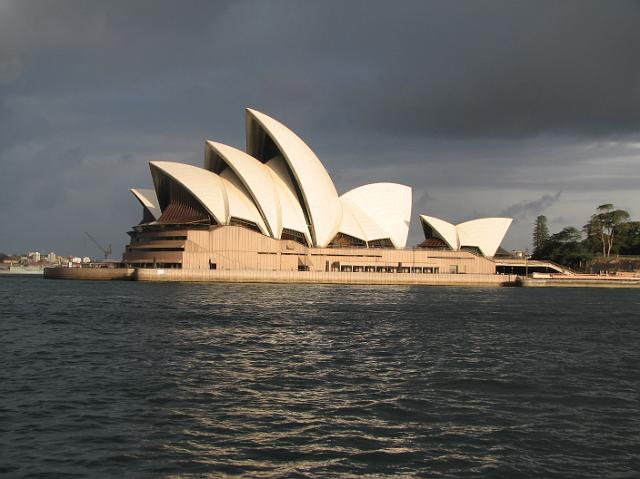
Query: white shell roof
x: 255, y: 177
x: 389, y: 204
x: 287, y: 187
x: 240, y: 204
x: 485, y: 233
x: 444, y: 230
x: 319, y: 194
x: 358, y: 224
x: 291, y: 212
x: 147, y: 197
x: 204, y: 185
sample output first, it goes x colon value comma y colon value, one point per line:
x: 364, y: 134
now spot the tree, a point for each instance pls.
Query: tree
x: 568, y: 235
x: 564, y: 247
x: 628, y: 238
x: 540, y: 232
x: 604, y: 225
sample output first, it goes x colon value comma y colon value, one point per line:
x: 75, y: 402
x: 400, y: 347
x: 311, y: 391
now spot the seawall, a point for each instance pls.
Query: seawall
x: 104, y: 274
x: 321, y: 277
x: 238, y: 276
x: 579, y: 281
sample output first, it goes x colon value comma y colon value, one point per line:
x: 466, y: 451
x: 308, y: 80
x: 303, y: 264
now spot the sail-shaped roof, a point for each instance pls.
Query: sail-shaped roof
x: 268, y: 138
x: 388, y: 204
x: 442, y: 229
x: 486, y: 234
x: 241, y: 206
x: 204, y: 185
x: 255, y: 177
x: 147, y: 198
x: 291, y: 213
x: 358, y: 224
x: 278, y: 186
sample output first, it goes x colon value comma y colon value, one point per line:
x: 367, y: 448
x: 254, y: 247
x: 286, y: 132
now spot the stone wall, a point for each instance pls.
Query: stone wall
x: 239, y: 276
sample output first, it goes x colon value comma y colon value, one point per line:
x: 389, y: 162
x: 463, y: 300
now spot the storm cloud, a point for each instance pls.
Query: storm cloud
x: 480, y: 106
x: 526, y: 210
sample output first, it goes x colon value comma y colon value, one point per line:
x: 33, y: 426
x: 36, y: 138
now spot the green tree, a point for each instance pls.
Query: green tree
x: 568, y: 235
x: 564, y: 247
x: 540, y: 233
x: 628, y: 238
x: 604, y: 225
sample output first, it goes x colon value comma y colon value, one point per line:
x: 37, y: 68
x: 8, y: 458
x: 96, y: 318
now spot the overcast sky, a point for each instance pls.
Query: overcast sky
x: 482, y: 107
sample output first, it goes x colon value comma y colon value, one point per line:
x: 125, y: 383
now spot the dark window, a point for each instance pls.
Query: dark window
x: 381, y: 243
x: 472, y: 249
x: 244, y: 223
x: 294, y: 235
x: 342, y: 240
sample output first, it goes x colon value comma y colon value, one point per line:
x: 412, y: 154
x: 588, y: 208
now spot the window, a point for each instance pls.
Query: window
x: 293, y: 235
x: 233, y: 221
x: 381, y: 243
x: 341, y: 240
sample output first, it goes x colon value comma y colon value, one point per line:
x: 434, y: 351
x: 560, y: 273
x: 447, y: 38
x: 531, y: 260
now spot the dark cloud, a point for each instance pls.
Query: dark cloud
x: 472, y: 97
x: 525, y: 210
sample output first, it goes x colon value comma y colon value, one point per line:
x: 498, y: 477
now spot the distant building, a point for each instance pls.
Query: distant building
x: 52, y: 257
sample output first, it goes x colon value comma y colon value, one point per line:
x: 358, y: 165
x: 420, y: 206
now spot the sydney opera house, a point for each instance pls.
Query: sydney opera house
x: 274, y: 207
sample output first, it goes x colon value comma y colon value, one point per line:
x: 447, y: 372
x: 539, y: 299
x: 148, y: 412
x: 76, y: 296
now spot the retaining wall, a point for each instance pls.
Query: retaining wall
x: 104, y: 274
x: 237, y: 276
x: 577, y: 282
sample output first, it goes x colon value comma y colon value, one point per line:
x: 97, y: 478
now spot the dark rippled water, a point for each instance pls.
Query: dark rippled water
x: 118, y: 379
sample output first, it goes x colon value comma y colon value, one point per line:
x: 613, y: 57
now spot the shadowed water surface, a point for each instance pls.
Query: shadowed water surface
x: 108, y: 379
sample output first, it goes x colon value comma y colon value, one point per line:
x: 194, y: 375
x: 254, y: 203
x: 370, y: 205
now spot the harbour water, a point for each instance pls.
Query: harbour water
x: 130, y: 379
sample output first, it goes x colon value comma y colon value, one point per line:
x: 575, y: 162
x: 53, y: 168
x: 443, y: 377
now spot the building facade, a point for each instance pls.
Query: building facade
x: 274, y: 207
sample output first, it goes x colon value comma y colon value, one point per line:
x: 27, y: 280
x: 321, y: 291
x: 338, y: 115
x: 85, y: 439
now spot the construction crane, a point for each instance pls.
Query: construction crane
x: 105, y: 251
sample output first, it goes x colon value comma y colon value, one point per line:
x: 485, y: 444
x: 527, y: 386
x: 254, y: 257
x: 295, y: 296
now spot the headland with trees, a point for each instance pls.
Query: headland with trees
x: 608, y: 241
